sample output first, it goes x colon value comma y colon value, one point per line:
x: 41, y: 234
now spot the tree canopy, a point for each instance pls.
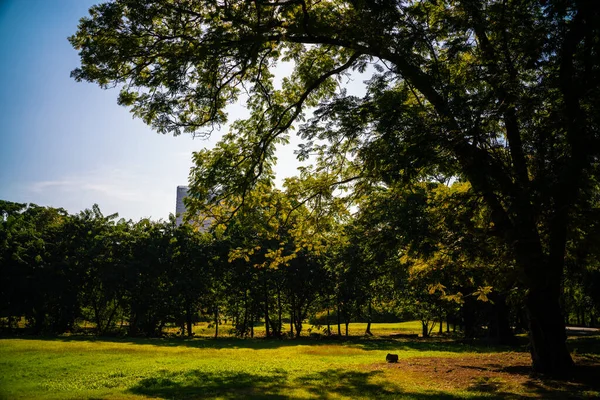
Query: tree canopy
x: 502, y: 94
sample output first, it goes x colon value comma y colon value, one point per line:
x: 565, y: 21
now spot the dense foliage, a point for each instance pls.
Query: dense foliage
x: 502, y: 95
x: 60, y: 272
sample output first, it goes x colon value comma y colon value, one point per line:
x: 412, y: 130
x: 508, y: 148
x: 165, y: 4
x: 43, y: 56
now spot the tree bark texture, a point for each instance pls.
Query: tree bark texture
x: 547, y: 335
x: 546, y: 323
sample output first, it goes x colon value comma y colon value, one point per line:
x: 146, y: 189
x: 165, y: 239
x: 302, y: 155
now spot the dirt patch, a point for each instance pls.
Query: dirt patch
x: 505, y: 374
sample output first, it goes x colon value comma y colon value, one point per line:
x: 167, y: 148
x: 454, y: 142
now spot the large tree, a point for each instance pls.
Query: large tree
x: 502, y: 93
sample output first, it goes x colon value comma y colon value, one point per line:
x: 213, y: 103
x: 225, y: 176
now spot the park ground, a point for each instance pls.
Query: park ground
x: 88, y: 367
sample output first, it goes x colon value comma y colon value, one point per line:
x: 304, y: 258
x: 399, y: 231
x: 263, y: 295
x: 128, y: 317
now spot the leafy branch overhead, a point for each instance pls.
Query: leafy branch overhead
x: 502, y: 94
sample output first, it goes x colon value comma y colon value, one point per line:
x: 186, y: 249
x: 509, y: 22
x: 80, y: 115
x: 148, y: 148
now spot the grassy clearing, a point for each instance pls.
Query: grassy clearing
x: 88, y: 368
x: 204, y: 329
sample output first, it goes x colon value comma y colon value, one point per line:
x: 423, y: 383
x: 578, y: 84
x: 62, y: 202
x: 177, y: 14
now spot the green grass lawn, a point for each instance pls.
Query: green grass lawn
x: 204, y: 329
x: 79, y: 367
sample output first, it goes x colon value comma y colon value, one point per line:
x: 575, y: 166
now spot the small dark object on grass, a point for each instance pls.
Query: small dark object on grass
x: 391, y: 358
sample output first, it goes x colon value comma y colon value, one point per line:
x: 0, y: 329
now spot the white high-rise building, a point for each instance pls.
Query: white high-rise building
x: 182, y: 192
x: 180, y: 209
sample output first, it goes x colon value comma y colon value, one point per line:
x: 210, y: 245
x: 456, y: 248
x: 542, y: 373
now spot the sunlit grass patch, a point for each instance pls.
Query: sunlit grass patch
x: 206, y: 329
x: 385, y: 329
x: 88, y: 368
x: 229, y: 368
x: 332, y: 350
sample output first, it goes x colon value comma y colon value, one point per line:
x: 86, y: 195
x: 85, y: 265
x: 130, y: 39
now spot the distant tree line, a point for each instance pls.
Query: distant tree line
x: 275, y: 265
x: 58, y: 270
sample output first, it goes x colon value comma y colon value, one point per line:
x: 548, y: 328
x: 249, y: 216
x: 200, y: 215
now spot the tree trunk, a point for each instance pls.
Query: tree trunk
x: 328, y: 326
x: 543, y: 274
x: 235, y: 318
x: 499, y: 329
x: 97, y: 317
x: 298, y: 323
x: 244, y: 329
x: 190, y: 331
x: 216, y: 321
x: 112, y: 315
x: 338, y: 321
x: 547, y: 335
x: 292, y: 317
x: 280, y: 322
x: 133, y: 324
x: 425, y: 328
x: 266, y: 293
x: 468, y: 314
x: 368, y: 330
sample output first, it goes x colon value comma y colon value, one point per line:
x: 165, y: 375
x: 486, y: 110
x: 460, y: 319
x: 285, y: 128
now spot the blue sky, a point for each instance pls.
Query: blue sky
x: 68, y: 144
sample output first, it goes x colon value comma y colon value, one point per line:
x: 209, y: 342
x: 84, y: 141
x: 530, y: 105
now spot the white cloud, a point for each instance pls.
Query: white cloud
x: 39, y: 187
x: 114, y: 183
x: 133, y: 192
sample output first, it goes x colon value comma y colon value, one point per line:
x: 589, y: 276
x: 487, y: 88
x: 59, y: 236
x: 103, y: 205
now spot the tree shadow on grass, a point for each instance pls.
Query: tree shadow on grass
x: 357, y: 384
x: 438, y: 344
x: 582, y: 382
x: 336, y: 383
x: 332, y: 383
x: 196, y: 384
x: 585, y: 345
x: 365, y: 343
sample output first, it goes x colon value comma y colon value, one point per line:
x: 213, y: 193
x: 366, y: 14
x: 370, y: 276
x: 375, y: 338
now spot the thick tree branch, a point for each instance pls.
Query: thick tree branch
x: 506, y: 98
